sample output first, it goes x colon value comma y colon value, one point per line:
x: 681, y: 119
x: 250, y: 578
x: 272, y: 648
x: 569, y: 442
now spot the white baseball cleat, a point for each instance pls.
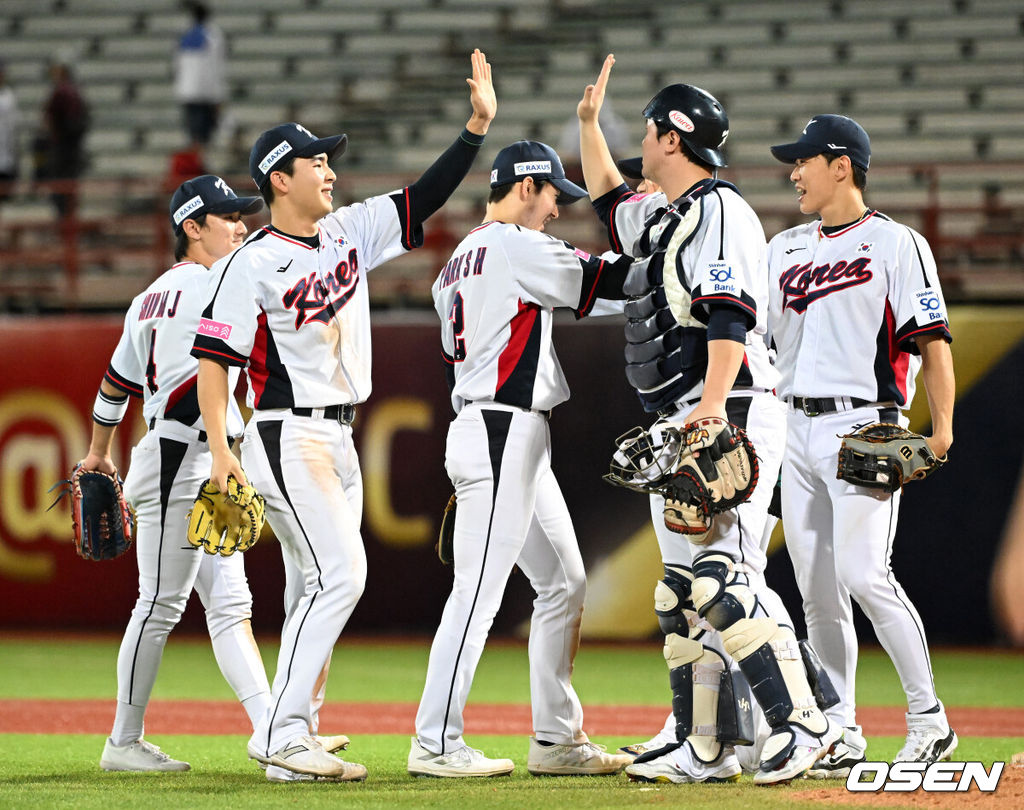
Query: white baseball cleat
x: 803, y: 750
x: 331, y: 744
x: 276, y: 774
x: 659, y: 740
x: 138, y: 756
x: 462, y: 763
x: 256, y: 753
x: 305, y: 755
x: 581, y: 759
x: 680, y: 766
x: 929, y: 738
x: 847, y: 752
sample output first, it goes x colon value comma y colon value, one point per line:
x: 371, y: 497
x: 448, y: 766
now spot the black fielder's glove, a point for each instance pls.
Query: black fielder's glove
x: 103, y: 526
x: 885, y: 456
x: 446, y: 537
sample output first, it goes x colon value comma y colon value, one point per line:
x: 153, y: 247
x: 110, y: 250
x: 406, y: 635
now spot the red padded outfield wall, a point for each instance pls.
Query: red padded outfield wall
x: 50, y: 368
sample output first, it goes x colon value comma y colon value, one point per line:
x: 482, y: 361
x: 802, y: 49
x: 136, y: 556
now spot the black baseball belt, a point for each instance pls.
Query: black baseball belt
x: 346, y: 414
x: 815, y: 407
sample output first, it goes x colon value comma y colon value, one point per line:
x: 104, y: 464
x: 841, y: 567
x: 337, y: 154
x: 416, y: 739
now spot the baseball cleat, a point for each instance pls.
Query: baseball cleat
x: 659, y: 740
x: 138, y: 756
x: 305, y: 755
x: 849, y: 750
x: 582, y: 759
x: 276, y: 774
x: 788, y: 753
x: 331, y: 744
x: 680, y: 766
x: 256, y: 753
x: 465, y: 762
x: 929, y: 738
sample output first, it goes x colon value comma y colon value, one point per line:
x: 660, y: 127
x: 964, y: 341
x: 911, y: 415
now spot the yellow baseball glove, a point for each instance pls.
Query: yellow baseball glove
x: 223, y: 523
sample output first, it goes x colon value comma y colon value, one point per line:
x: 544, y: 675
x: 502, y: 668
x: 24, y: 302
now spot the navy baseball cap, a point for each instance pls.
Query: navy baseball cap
x: 537, y: 160
x: 208, y: 194
x: 828, y: 133
x: 631, y: 167
x: 289, y: 140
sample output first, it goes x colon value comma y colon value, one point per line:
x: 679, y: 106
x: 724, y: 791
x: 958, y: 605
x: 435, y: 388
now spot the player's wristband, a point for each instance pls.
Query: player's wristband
x: 109, y: 410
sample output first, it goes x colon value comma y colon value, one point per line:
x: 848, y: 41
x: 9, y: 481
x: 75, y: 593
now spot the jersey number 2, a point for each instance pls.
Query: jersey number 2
x: 151, y: 365
x: 458, y: 322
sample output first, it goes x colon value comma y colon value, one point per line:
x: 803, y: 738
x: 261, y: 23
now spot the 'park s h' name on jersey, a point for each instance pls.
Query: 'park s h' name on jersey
x: 495, y: 298
x: 297, y: 310
x: 847, y: 307
x: 152, y: 358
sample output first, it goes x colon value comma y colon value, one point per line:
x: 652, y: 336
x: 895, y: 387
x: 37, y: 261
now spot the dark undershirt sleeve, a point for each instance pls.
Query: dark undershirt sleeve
x: 438, y: 182
x: 727, y: 323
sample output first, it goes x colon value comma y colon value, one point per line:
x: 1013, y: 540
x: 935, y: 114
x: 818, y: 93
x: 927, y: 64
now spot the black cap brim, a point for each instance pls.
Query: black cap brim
x: 632, y: 167
x: 568, y: 191
x: 792, y: 152
x: 242, y: 205
x: 331, y: 146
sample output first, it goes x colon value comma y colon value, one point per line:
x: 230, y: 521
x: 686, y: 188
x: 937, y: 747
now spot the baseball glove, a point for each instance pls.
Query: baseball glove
x: 716, y: 471
x: 103, y: 525
x: 223, y: 523
x: 701, y: 469
x: 885, y: 456
x: 446, y: 537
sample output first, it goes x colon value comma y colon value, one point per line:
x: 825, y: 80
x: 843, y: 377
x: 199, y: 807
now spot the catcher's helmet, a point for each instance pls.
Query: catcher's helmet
x: 696, y: 115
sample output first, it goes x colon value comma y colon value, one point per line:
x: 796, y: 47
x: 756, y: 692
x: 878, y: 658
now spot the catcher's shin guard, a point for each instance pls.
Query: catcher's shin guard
x: 825, y: 694
x: 695, y: 675
x: 770, y: 658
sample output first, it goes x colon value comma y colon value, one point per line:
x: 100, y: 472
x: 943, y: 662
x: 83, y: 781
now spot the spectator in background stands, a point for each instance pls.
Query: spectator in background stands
x: 200, y: 76
x: 65, y: 122
x: 8, y: 136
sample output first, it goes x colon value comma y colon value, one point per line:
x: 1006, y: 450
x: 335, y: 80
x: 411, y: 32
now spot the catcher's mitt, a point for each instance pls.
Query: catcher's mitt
x: 446, y: 537
x: 102, y: 523
x: 885, y: 456
x: 701, y: 469
x: 717, y: 470
x: 223, y: 523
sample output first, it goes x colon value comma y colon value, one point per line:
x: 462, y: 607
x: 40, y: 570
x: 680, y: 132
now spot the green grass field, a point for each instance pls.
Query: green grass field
x: 48, y: 771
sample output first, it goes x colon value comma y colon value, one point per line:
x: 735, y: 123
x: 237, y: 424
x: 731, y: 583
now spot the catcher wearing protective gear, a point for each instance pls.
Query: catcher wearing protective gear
x: 695, y: 349
x: 885, y: 456
x: 226, y: 522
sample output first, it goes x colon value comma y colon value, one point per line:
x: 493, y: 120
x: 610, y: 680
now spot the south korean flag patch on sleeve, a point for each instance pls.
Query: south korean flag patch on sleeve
x: 719, y: 279
x: 928, y: 307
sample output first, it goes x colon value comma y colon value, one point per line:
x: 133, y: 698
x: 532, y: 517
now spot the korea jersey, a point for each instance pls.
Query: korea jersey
x: 152, y: 359
x: 297, y: 310
x: 705, y: 249
x: 847, y: 308
x: 495, y: 299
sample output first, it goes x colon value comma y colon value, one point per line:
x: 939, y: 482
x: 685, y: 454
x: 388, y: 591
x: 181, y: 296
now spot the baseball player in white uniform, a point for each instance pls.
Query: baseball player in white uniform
x: 291, y: 305
x: 856, y: 312
x: 496, y: 299
x: 696, y: 320
x: 167, y: 467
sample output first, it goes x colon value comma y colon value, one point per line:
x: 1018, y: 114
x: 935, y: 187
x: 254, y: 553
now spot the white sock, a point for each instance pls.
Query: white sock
x: 127, y: 724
